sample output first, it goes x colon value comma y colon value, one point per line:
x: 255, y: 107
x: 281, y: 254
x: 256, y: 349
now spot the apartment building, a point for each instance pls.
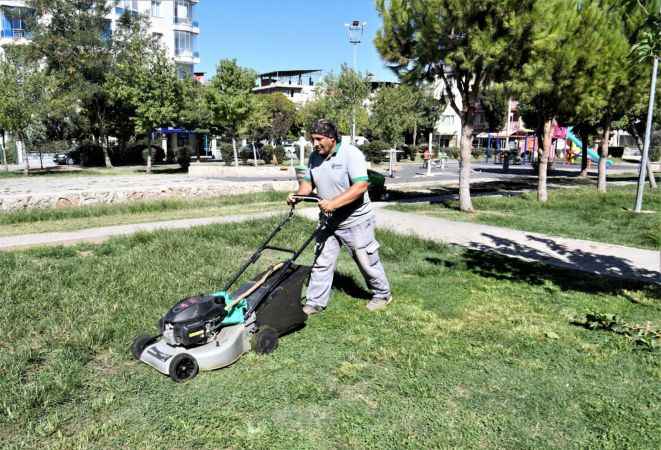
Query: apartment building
x: 173, y: 21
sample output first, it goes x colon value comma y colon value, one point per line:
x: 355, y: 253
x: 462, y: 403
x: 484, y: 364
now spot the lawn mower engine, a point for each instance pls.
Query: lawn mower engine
x: 193, y: 320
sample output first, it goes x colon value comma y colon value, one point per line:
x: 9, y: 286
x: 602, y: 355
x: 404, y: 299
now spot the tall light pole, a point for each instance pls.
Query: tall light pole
x: 355, y: 31
x: 646, y: 145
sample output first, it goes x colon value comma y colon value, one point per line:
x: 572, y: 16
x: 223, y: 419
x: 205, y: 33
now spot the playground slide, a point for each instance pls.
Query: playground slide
x: 592, y: 155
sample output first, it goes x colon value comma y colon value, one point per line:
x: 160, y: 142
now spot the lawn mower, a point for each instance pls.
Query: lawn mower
x: 210, y: 331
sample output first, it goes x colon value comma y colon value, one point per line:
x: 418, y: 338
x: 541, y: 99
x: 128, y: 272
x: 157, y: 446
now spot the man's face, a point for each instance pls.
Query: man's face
x: 323, y: 144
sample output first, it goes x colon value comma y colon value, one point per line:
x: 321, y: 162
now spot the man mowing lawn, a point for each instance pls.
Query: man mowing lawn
x: 339, y: 174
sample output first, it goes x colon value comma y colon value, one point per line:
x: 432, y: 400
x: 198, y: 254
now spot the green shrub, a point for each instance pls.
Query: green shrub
x: 374, y: 151
x: 245, y: 153
x: 266, y: 153
x: 280, y: 153
x: 157, y: 152
x: 12, y: 157
x: 183, y: 157
x: 655, y: 153
x: 452, y: 152
x: 226, y: 152
x: 476, y: 152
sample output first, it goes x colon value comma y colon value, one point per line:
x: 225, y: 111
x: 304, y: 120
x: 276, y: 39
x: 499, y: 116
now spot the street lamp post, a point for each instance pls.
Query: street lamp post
x: 646, y: 144
x: 355, y: 31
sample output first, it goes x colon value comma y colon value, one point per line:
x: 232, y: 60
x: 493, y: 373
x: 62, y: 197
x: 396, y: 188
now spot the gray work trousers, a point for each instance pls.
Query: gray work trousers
x: 364, y: 249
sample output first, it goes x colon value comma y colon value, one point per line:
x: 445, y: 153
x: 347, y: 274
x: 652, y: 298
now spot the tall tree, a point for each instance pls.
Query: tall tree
x: 598, y: 88
x: 467, y: 44
x: 23, y: 104
x: 195, y: 112
x: 230, y: 99
x: 394, y: 111
x: 338, y: 98
x: 148, y: 86
x: 72, y: 38
x: 543, y: 82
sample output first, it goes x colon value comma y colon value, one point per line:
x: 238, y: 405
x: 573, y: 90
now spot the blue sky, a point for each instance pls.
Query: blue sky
x: 268, y: 35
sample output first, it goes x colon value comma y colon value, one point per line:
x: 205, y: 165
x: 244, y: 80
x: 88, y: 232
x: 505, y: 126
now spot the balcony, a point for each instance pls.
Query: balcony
x: 187, y: 56
x: 186, y: 24
x: 15, y: 34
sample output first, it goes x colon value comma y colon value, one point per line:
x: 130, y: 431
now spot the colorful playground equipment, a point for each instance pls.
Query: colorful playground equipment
x: 592, y: 155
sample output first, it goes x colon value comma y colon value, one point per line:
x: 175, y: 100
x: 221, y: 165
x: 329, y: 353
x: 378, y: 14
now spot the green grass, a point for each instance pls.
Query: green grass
x: 476, y: 351
x: 75, y: 218
x: 580, y: 213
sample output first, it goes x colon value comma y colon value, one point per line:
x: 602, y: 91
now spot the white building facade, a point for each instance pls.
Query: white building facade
x: 173, y: 21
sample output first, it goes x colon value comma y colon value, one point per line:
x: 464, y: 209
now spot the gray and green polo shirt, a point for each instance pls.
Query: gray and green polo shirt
x: 334, y: 174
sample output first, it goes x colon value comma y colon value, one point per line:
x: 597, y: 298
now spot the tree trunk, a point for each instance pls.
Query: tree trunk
x: 542, y: 192
x: 236, y: 155
x: 584, y: 156
x: 603, y: 158
x: 465, y: 203
x: 415, y: 133
x: 24, y: 149
x: 105, y: 145
x: 149, y: 154
x: 650, y: 175
x: 4, y: 152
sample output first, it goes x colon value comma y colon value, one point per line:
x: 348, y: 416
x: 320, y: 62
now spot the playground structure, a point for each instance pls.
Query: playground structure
x: 522, y: 145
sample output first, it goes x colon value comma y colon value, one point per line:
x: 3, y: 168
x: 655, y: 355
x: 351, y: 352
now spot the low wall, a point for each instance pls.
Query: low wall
x: 222, y: 170
x: 13, y: 202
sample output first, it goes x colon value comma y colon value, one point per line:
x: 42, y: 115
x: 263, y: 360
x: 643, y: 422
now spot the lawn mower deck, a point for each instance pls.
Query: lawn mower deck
x: 210, y: 331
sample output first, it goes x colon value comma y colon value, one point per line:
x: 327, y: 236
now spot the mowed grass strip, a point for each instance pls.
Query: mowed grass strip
x: 75, y: 218
x: 476, y: 351
x: 581, y: 213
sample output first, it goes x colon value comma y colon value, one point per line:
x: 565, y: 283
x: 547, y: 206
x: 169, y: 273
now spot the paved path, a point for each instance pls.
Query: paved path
x: 586, y: 256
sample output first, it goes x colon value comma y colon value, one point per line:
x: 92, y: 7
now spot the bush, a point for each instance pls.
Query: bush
x: 10, y: 151
x: 476, y: 152
x: 245, y: 153
x: 374, y: 151
x: 157, y: 153
x: 183, y: 156
x: 452, y: 152
x: 90, y: 155
x: 226, y: 153
x: 280, y: 153
x: 266, y: 152
x: 655, y: 153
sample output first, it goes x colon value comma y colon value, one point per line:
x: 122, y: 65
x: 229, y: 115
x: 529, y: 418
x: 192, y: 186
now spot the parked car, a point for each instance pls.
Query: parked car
x: 87, y: 154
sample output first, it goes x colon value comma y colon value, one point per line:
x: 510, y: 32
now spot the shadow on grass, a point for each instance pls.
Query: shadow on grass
x: 500, y: 187
x: 504, y: 268
x: 596, y: 273
x: 348, y: 285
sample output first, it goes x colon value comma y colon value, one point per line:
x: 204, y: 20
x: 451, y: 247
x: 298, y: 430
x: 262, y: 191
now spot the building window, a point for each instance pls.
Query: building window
x: 184, y: 71
x: 184, y: 43
x: 13, y: 22
x: 106, y: 34
x: 156, y: 8
x: 131, y: 5
x: 183, y: 12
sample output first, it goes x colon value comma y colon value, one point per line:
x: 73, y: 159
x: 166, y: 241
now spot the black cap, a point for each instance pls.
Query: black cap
x: 325, y: 128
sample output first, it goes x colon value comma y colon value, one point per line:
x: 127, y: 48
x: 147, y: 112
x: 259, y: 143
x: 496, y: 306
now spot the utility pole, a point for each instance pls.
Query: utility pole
x: 355, y: 31
x: 646, y: 145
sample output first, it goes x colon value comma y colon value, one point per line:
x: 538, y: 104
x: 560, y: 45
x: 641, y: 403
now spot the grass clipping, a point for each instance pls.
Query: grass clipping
x: 644, y: 335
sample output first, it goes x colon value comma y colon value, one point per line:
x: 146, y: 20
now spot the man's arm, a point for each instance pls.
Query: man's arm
x: 304, y: 188
x: 350, y: 195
